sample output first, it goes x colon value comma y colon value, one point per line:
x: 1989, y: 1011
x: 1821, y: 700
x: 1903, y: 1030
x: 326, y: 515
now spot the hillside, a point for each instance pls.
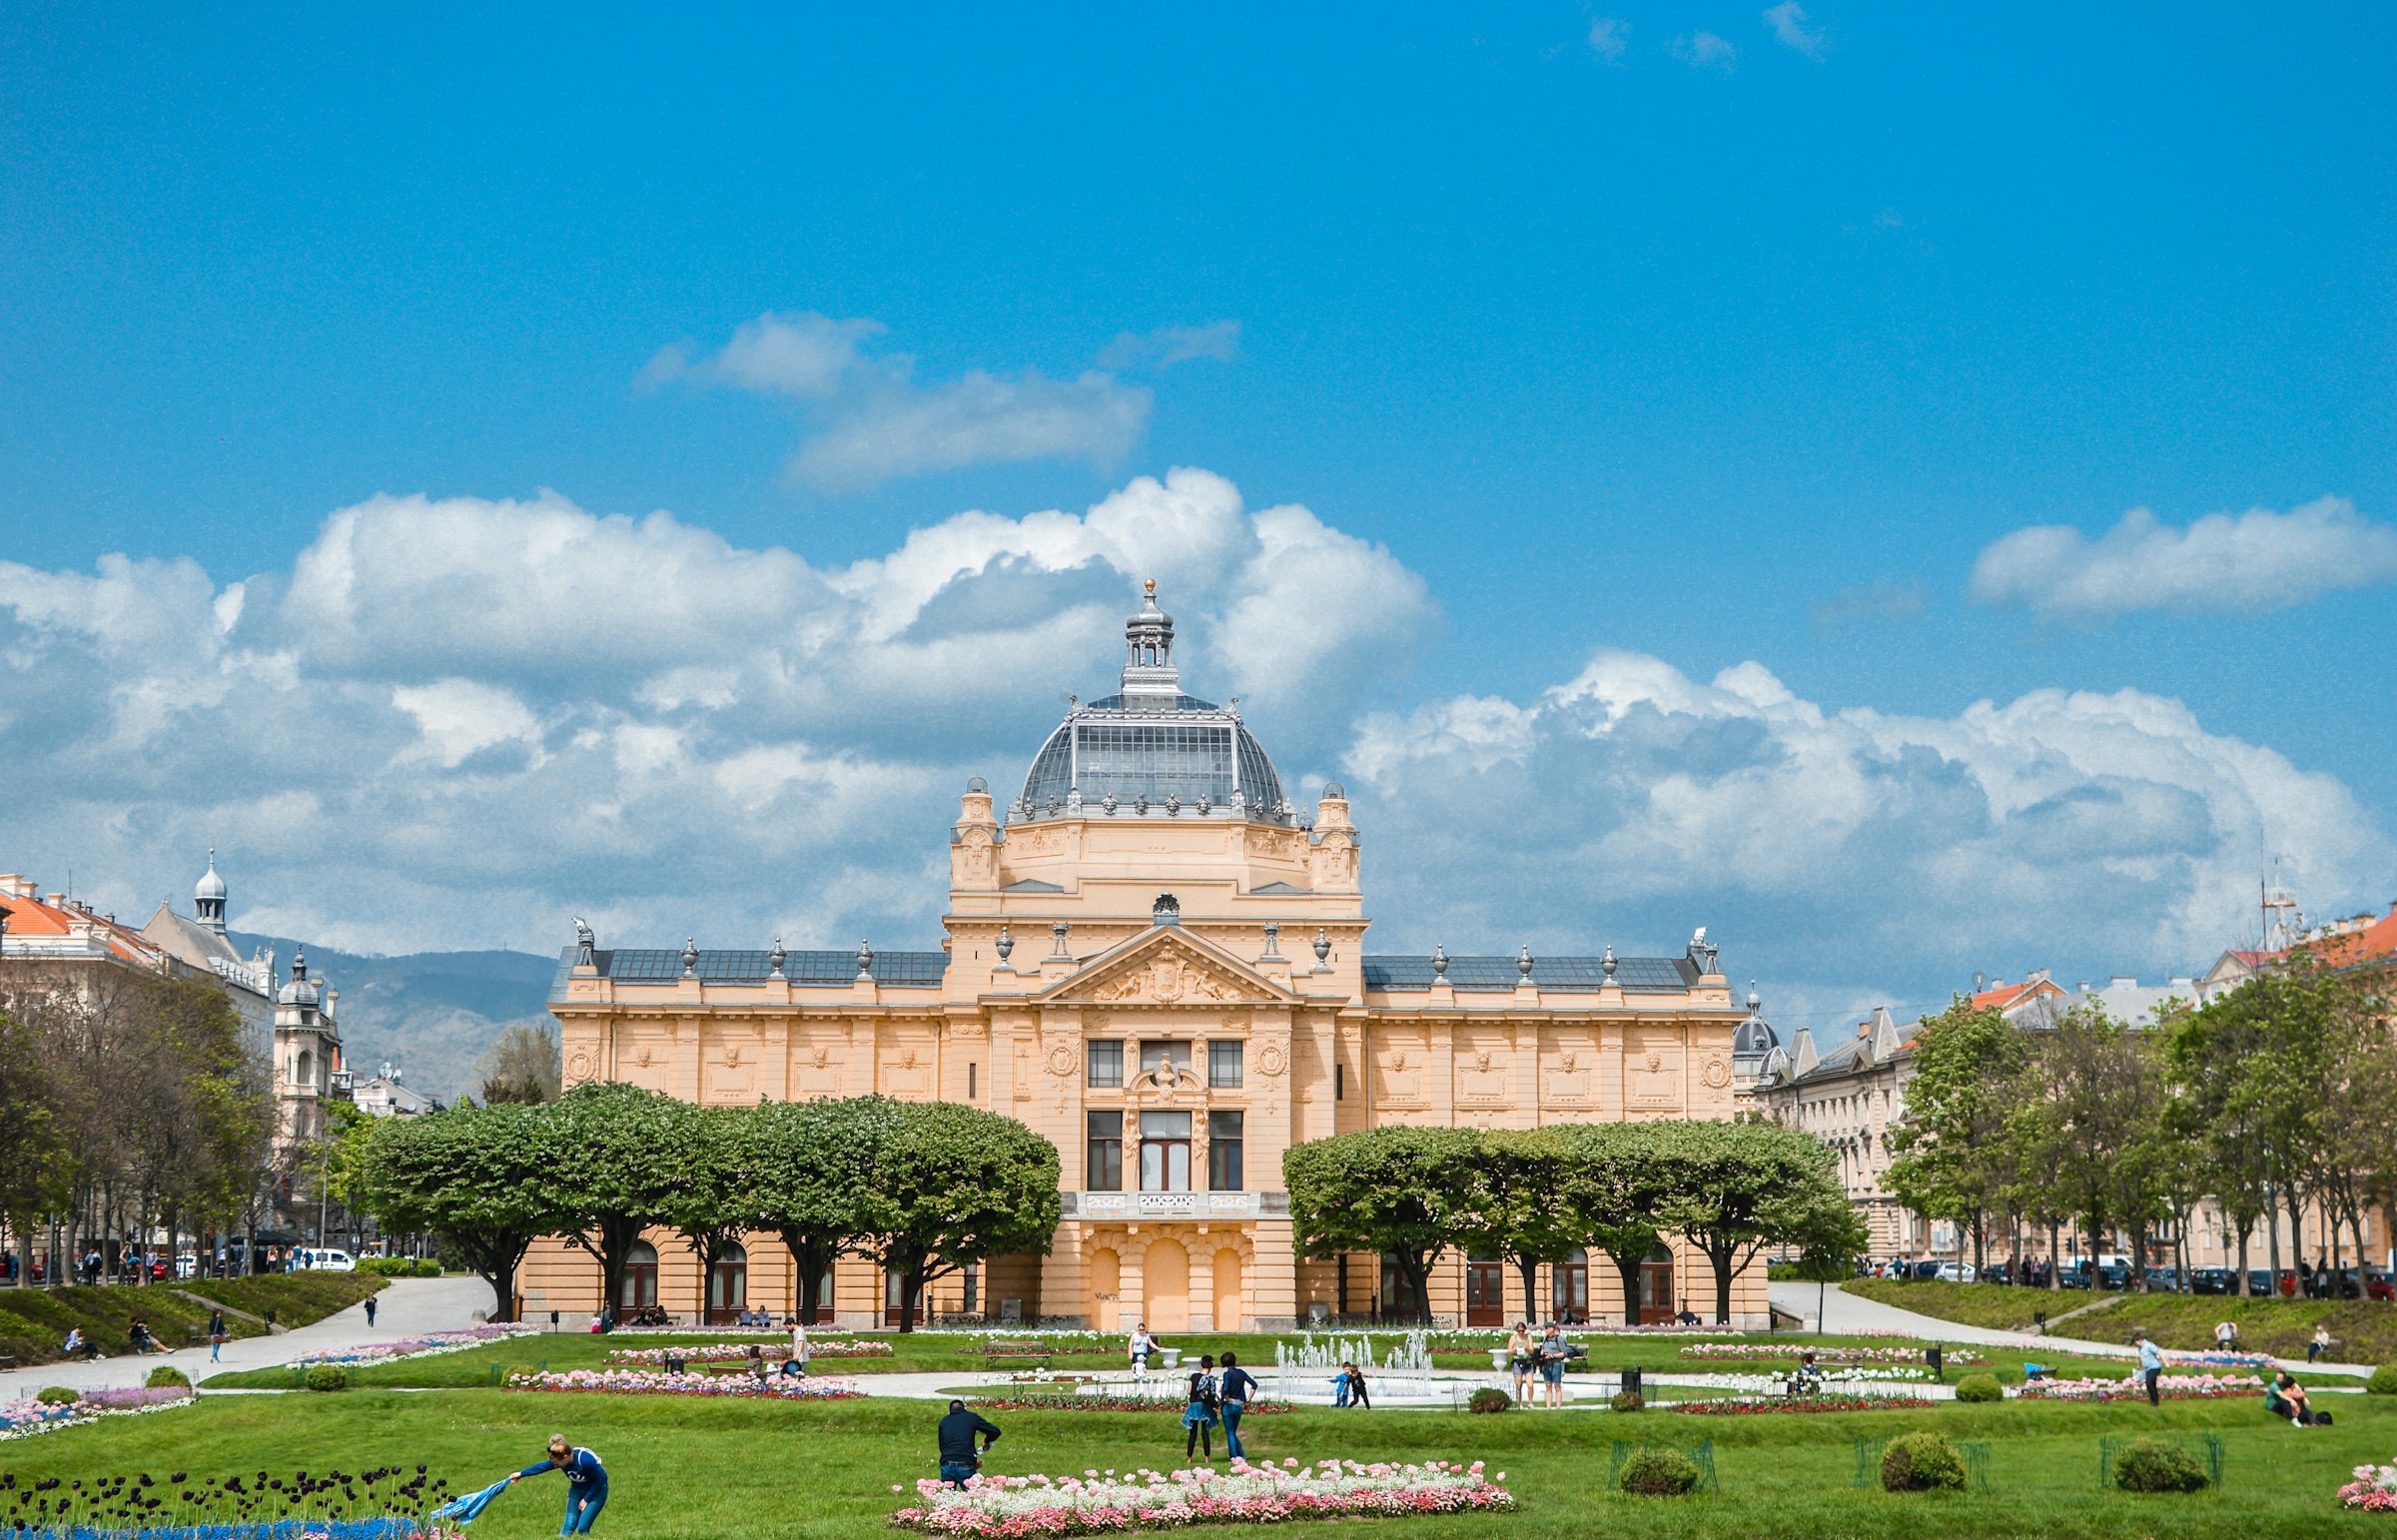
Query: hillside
x: 431, y: 1013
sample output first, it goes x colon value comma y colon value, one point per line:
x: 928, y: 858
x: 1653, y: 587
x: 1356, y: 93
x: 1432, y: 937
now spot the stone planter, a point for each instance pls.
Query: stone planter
x: 1501, y: 1358
x: 1172, y: 1358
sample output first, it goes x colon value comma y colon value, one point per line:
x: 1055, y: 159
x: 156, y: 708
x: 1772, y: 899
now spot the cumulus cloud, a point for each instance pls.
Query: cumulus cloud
x: 449, y: 722
x: 1788, y: 24
x: 1166, y: 346
x: 867, y: 419
x: 2081, y: 829
x: 1609, y: 37
x: 1705, y: 51
x: 2253, y: 563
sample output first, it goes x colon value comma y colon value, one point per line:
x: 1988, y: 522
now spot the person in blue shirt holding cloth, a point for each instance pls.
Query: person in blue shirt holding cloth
x: 586, y: 1482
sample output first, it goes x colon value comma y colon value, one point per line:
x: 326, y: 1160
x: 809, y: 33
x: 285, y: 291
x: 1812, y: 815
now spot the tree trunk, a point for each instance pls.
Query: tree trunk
x: 1629, y: 1269
x: 1721, y: 1261
x: 2243, y: 1230
x: 1418, y: 1277
x: 1530, y: 1266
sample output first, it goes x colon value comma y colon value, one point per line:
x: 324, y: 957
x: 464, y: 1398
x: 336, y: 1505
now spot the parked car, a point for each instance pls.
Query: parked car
x: 2212, y: 1281
x: 2378, y: 1286
x: 321, y: 1259
x: 2164, y: 1280
x: 1956, y: 1272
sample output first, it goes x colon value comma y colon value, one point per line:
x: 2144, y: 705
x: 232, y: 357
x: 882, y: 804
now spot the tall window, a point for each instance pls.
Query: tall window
x: 1569, y: 1288
x: 1106, y: 1058
x: 1155, y: 1056
x: 640, y: 1276
x: 1339, y: 1082
x: 1224, y: 1067
x: 1164, y: 1152
x: 1224, y: 1151
x: 1104, y: 1138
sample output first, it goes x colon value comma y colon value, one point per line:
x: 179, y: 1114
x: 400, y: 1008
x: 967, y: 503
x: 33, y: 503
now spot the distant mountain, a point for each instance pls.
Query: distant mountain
x: 429, y: 1013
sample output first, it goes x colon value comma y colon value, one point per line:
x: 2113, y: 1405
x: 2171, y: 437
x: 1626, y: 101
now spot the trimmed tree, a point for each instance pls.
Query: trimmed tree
x: 473, y: 1175
x: 1614, y: 1186
x: 946, y: 1185
x: 618, y: 1158
x: 1516, y: 1213
x: 805, y: 1160
x: 1407, y: 1193
x: 1737, y: 1188
x: 717, y: 1200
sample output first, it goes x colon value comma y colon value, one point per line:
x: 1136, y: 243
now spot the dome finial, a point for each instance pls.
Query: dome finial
x: 1149, y: 588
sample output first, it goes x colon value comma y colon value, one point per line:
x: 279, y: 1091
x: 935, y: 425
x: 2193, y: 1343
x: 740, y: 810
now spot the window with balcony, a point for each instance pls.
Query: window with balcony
x: 1224, y: 1064
x: 1224, y: 1139
x: 1164, y: 1152
x: 1156, y: 1056
x: 1104, y: 1055
x: 1103, y: 1139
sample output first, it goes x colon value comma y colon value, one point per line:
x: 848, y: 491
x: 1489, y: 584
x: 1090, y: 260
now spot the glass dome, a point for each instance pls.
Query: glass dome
x: 1150, y: 751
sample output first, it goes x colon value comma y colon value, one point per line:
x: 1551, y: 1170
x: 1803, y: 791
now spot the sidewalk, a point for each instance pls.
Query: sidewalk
x: 409, y: 1308
x: 1846, y: 1314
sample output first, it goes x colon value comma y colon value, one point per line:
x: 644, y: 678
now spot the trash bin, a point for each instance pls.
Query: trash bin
x: 1631, y: 1381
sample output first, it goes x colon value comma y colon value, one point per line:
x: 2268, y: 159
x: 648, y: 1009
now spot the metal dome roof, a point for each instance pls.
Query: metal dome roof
x: 209, y: 885
x: 1151, y: 751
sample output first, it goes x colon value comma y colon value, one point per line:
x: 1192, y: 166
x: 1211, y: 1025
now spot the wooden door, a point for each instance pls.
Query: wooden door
x: 1485, y: 1293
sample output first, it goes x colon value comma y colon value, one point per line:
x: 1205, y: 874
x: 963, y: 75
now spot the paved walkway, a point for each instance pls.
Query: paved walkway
x: 409, y: 1308
x: 1846, y: 1313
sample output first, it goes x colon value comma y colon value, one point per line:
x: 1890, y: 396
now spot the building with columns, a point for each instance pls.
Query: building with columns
x: 1154, y: 958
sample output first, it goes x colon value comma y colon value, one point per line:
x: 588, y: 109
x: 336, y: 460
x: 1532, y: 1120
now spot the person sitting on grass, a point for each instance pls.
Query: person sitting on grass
x: 139, y: 1335
x: 2284, y: 1398
x: 2226, y: 1335
x: 80, y: 1347
x: 586, y: 1482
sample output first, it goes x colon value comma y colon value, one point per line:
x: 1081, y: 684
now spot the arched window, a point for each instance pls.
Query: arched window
x: 728, y: 1284
x: 640, y: 1276
x: 304, y: 1068
x: 1569, y: 1290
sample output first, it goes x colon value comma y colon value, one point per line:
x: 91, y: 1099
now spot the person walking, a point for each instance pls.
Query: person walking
x: 369, y: 1312
x: 2319, y: 1348
x: 1521, y: 1357
x: 2151, y: 1369
x: 1199, y: 1417
x: 586, y: 1482
x: 1358, y: 1394
x: 1238, y: 1385
x: 1142, y: 1344
x: 216, y: 1334
x: 959, y: 1433
x: 1552, y: 1365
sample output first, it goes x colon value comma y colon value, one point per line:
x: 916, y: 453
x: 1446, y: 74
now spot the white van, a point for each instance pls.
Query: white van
x: 321, y: 1259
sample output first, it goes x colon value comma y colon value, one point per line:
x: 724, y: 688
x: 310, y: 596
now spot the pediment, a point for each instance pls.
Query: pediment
x: 1166, y: 966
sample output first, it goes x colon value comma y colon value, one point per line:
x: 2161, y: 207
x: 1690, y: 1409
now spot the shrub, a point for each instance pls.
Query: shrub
x: 1978, y: 1387
x: 1922, y: 1462
x: 2383, y: 1380
x: 518, y: 1371
x: 1489, y: 1399
x: 1629, y: 1400
x: 166, y: 1374
x: 1655, y: 1471
x: 2153, y: 1465
x: 326, y: 1376
x: 59, y: 1395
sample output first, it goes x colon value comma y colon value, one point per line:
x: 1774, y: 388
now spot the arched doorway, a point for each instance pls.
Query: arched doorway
x: 1231, y: 1306
x: 1485, y: 1290
x: 1656, y: 1289
x: 639, y: 1289
x: 1107, y: 1283
x: 728, y: 1284
x: 1569, y: 1290
x: 1165, y: 1286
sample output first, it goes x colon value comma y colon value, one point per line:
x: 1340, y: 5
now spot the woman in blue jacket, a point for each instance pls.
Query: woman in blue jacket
x: 586, y: 1482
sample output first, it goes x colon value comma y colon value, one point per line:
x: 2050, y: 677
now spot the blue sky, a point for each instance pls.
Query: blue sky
x: 1707, y: 336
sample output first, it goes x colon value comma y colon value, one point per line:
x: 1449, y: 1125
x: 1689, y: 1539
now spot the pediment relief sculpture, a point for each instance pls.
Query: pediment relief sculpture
x: 1168, y: 980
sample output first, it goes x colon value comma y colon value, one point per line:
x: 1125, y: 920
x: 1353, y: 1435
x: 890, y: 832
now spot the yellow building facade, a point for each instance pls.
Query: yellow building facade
x: 1156, y: 962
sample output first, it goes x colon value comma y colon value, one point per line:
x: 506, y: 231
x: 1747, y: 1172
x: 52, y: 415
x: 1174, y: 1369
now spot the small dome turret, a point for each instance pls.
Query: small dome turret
x: 208, y: 896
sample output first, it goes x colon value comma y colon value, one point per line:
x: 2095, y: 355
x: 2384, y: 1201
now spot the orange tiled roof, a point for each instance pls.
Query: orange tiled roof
x: 2005, y: 995
x: 33, y: 918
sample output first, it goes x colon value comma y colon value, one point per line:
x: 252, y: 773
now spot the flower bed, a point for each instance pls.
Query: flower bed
x: 1826, y: 1357
x: 1095, y: 1503
x: 1777, y: 1384
x: 1743, y: 1406
x: 735, y: 1352
x: 2173, y: 1387
x: 2374, y: 1489
x: 2222, y: 1360
x: 1060, y: 1400
x: 22, y: 1420
x: 381, y: 1504
x: 416, y: 1347
x: 655, y: 1383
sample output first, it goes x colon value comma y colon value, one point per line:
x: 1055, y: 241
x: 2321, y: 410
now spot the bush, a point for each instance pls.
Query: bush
x: 400, y: 1267
x: 59, y: 1395
x: 2153, y: 1465
x: 1653, y: 1471
x: 326, y: 1376
x: 1629, y: 1400
x: 1978, y: 1387
x: 166, y: 1374
x: 1488, y: 1399
x: 1922, y: 1462
x: 2383, y: 1380
x: 516, y: 1371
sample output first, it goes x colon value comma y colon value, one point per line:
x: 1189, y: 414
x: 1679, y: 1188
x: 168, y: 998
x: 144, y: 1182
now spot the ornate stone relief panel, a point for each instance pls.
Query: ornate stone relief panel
x: 816, y: 1068
x: 906, y: 1069
x: 1651, y: 1071
x: 1569, y: 1070
x: 1482, y: 1065
x: 728, y: 1069
x: 1401, y: 1069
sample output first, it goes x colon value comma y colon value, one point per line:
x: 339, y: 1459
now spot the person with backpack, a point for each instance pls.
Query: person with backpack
x: 1238, y: 1385
x: 1200, y: 1416
x: 586, y: 1482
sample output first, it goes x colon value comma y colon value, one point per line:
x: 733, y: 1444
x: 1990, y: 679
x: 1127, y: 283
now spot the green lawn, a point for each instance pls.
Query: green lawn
x: 34, y: 1321
x: 2365, y: 1329
x: 713, y: 1469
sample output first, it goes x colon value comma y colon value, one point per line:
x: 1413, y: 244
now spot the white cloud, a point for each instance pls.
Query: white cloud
x: 1609, y: 37
x: 867, y: 420
x: 2257, y: 562
x: 1788, y: 23
x: 1166, y: 346
x: 459, y: 718
x: 1704, y: 51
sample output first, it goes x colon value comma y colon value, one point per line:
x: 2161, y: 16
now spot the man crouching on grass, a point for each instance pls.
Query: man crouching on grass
x: 959, y: 1460
x: 586, y: 1482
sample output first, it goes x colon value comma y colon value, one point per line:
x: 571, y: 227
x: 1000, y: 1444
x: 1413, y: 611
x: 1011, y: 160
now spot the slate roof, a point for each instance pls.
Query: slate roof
x: 814, y: 970
x: 1572, y: 975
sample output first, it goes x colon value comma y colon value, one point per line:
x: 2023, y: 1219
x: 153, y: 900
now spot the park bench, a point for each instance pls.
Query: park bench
x: 1000, y: 1349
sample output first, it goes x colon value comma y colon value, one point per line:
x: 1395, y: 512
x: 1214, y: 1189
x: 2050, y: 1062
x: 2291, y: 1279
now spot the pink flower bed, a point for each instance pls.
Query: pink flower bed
x: 2374, y: 1489
x: 734, y: 1352
x: 1098, y: 1503
x: 21, y: 1418
x: 1826, y: 1355
x: 653, y: 1382
x: 2173, y: 1387
x: 1757, y: 1406
x: 418, y: 1347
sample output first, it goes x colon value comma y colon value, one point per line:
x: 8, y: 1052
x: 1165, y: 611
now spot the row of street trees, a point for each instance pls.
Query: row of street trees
x: 919, y: 1187
x: 2278, y: 1096
x: 1537, y: 1196
x: 126, y: 1102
